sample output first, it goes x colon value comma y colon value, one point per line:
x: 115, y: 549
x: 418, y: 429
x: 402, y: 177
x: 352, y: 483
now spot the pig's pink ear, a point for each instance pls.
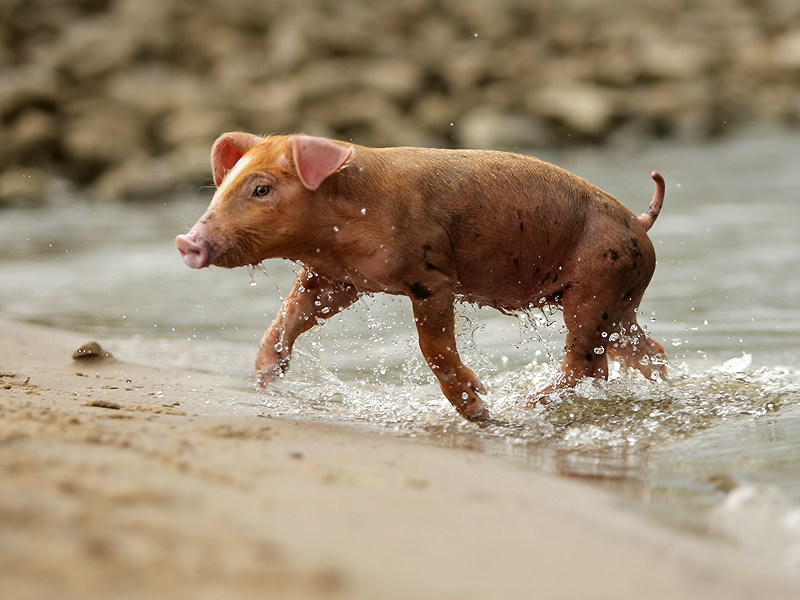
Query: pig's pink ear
x: 316, y: 158
x: 227, y: 151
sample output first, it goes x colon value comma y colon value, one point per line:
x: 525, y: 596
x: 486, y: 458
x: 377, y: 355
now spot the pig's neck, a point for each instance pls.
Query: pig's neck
x: 341, y: 244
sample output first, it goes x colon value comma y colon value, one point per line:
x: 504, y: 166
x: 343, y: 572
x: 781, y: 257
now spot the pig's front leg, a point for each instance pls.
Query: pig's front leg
x: 435, y: 320
x: 312, y: 298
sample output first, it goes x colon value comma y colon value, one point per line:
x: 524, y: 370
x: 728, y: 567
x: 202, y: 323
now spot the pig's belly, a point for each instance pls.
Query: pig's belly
x: 512, y: 286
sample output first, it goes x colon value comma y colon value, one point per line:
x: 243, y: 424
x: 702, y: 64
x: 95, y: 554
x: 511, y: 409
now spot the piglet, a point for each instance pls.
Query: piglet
x: 494, y: 228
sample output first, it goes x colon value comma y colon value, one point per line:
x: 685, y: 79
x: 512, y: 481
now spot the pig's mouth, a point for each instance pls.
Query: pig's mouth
x: 198, y: 253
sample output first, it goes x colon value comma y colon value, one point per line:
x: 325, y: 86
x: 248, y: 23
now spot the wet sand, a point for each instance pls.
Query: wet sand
x: 125, y: 481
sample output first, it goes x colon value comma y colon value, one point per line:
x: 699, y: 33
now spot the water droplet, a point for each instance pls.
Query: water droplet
x: 613, y: 337
x: 599, y: 350
x: 363, y: 211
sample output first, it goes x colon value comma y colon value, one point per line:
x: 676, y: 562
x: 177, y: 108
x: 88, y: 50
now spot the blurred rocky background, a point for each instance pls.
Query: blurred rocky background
x: 121, y: 99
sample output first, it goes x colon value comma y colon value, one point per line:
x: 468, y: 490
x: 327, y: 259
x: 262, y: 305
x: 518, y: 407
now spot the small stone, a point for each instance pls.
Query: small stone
x: 91, y: 351
x: 103, y: 404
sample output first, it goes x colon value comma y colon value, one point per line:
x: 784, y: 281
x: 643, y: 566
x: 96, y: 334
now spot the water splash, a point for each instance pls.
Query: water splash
x: 616, y: 416
x: 621, y: 415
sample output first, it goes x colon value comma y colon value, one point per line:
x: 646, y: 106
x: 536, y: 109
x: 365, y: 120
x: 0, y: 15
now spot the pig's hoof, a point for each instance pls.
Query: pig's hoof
x: 478, y: 412
x: 265, y: 376
x: 268, y: 369
x: 496, y: 423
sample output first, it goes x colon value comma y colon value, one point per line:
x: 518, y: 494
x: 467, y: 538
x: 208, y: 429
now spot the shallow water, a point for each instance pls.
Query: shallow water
x: 716, y: 450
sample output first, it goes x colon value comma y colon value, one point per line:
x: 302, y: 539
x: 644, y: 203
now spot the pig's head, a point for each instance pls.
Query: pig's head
x: 264, y: 199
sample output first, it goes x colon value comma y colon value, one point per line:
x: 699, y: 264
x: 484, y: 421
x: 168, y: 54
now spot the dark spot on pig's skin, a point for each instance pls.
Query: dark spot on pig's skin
x: 521, y: 224
x: 605, y: 316
x: 429, y: 267
x: 588, y: 357
x: 419, y: 291
x: 555, y: 278
x: 516, y: 262
x: 634, y: 251
x: 614, y: 255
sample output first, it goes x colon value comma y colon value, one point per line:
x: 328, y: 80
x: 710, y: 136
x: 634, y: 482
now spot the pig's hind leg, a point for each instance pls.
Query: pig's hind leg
x: 312, y: 298
x: 633, y: 348
x: 590, y: 315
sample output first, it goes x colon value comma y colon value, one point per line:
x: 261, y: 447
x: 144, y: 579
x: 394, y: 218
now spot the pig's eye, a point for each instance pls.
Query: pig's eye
x: 261, y: 191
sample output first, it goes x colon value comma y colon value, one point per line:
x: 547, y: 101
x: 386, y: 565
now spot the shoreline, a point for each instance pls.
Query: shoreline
x: 125, y: 481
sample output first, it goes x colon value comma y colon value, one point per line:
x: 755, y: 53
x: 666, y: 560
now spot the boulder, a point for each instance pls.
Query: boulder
x: 581, y: 107
x: 484, y: 127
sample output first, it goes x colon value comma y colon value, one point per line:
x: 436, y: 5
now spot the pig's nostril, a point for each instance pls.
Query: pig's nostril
x: 194, y: 255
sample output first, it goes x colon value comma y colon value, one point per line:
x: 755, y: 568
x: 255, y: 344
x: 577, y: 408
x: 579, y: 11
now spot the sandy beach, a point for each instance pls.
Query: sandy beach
x: 125, y: 481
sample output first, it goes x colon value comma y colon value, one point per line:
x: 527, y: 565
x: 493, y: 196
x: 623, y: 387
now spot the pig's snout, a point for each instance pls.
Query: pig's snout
x: 194, y: 255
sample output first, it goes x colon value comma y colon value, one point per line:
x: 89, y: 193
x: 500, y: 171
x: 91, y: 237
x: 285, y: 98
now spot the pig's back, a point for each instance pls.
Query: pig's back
x: 513, y: 220
x: 507, y: 224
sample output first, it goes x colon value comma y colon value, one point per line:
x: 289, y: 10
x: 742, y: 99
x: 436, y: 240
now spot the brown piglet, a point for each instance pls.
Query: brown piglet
x: 494, y: 228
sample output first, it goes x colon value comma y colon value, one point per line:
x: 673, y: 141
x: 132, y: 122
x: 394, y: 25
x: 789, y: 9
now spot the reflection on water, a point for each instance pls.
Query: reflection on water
x: 715, y: 450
